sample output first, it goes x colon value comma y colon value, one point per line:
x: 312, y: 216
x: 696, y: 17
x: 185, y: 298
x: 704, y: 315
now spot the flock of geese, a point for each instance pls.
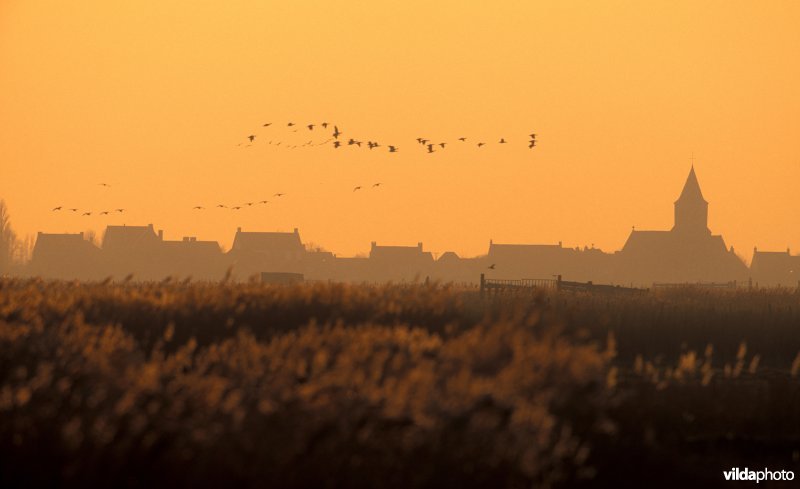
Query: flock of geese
x: 87, y: 213
x: 335, y: 139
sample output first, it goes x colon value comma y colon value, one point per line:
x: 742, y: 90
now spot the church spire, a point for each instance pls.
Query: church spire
x: 691, y: 189
x: 691, y: 209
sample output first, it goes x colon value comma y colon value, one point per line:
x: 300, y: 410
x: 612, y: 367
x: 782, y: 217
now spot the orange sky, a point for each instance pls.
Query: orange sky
x: 153, y: 98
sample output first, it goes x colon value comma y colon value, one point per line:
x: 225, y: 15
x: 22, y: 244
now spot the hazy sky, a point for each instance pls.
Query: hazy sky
x: 154, y: 97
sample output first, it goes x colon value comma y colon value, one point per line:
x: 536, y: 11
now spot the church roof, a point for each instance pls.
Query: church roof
x: 691, y: 189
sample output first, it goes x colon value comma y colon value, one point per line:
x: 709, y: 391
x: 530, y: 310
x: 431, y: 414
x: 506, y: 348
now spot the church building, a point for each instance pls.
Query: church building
x: 688, y: 253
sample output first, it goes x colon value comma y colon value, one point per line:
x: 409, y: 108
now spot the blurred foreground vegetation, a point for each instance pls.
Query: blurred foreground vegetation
x: 330, y: 385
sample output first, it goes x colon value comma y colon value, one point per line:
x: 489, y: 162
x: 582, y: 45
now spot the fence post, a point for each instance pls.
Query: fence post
x: 483, y: 283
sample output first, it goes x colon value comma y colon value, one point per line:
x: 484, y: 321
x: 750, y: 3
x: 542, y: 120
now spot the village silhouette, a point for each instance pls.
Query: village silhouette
x: 686, y: 254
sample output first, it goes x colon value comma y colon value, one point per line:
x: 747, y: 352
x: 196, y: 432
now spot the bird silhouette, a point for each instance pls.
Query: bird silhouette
x: 419, y: 140
x: 221, y: 206
x: 442, y: 145
x: 74, y: 210
x: 356, y: 188
x: 290, y: 124
x: 251, y: 137
x: 324, y: 125
x: 491, y: 267
x: 502, y: 141
x: 393, y: 149
x: 533, y: 135
x: 120, y: 210
x: 480, y: 144
x: 462, y: 139
x: 336, y: 144
x: 104, y: 184
x: 310, y: 127
x: 57, y: 208
x: 423, y: 142
x: 377, y: 184
x: 248, y: 204
x: 267, y: 124
x: 430, y: 148
x: 531, y: 143
x: 86, y: 214
x: 236, y: 208
x: 279, y: 195
x: 104, y: 213
x: 264, y: 202
x: 336, y: 132
x: 198, y: 207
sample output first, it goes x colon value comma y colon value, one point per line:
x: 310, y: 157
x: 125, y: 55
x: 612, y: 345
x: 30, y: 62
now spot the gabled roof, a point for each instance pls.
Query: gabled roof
x: 449, y: 256
x: 691, y: 189
x: 267, y: 242
x: 399, y: 252
x: 193, y: 246
x: 129, y: 237
x: 62, y: 243
x: 774, y: 257
x: 647, y: 239
x: 514, y: 251
x: 522, y: 247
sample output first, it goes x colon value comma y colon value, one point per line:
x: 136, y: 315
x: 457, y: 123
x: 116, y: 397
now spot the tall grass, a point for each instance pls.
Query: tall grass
x: 330, y: 385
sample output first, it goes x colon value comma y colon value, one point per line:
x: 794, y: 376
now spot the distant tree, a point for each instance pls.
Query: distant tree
x: 311, y: 246
x: 23, y: 250
x: 91, y: 236
x: 8, y: 239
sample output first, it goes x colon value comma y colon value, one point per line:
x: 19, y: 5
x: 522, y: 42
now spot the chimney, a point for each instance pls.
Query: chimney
x: 194, y: 238
x: 185, y: 239
x: 161, y: 234
x: 419, y: 245
x: 374, y: 244
x: 559, y: 244
x: 150, y: 226
x: 296, y: 231
x: 81, y: 234
x: 239, y: 229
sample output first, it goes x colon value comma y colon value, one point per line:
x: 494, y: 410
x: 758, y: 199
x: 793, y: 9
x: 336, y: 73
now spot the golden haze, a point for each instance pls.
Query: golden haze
x: 153, y: 98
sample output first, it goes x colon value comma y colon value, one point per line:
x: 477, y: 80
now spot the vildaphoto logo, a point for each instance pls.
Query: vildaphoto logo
x: 745, y: 474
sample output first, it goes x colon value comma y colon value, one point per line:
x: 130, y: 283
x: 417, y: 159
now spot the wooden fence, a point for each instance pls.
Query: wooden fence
x: 701, y: 285
x: 495, y: 286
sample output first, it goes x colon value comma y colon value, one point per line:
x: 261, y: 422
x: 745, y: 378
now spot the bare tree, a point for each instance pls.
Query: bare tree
x: 23, y: 251
x: 91, y: 236
x: 8, y: 238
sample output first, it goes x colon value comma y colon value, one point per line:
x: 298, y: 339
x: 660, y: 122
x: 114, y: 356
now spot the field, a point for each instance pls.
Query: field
x: 329, y: 385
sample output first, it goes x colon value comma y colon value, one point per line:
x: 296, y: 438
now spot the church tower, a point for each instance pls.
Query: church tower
x: 691, y: 209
